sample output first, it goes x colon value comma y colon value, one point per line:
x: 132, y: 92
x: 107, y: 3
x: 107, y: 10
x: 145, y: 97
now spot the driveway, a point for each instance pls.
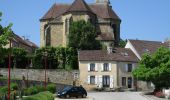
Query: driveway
x: 117, y: 96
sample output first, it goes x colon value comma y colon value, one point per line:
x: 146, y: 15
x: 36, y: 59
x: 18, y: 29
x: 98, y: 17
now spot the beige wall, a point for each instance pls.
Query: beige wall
x: 84, y: 73
x: 42, y: 38
x: 122, y: 72
x: 56, y: 35
x: 117, y: 71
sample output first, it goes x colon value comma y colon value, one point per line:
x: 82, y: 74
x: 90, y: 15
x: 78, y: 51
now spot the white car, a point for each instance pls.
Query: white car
x: 167, y: 93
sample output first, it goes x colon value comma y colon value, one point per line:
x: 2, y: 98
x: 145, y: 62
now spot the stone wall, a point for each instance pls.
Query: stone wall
x: 55, y: 76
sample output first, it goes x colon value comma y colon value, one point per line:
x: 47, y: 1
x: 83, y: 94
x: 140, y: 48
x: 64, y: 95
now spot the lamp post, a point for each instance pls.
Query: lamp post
x: 9, y: 69
x: 45, y: 54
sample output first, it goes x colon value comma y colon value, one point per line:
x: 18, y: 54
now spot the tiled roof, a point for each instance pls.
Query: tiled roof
x: 79, y: 5
x: 144, y: 46
x: 101, y: 10
x: 118, y: 54
x: 105, y: 37
x: 18, y: 39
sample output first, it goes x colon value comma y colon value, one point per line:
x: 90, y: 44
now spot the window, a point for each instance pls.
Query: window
x: 123, y: 81
x: 129, y: 69
x: 106, y: 81
x: 105, y: 67
x: 92, y: 67
x: 92, y: 79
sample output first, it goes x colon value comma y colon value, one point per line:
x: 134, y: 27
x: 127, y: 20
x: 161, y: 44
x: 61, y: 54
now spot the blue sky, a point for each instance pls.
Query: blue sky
x: 141, y: 19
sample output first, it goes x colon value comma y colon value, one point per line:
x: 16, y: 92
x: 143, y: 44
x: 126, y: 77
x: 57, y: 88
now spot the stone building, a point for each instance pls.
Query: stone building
x: 18, y: 42
x: 54, y: 25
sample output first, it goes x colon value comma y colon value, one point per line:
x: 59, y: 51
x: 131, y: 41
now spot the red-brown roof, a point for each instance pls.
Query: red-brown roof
x: 101, y: 10
x: 118, y: 54
x: 144, y: 46
x: 79, y: 5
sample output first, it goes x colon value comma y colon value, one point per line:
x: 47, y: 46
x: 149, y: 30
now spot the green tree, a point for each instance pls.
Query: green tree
x: 122, y: 43
x: 82, y: 36
x: 5, y: 33
x: 155, y: 68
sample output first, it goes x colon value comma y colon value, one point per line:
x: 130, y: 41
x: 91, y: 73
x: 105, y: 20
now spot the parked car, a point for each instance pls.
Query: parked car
x: 72, y: 91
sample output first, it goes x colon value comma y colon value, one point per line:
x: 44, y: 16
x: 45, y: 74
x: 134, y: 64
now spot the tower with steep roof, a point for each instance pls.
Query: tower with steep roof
x: 56, y: 22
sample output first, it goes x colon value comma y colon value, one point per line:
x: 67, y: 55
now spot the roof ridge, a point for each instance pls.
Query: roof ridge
x: 79, y: 5
x: 144, y: 40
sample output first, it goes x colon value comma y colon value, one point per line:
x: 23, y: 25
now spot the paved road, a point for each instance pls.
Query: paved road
x: 117, y: 96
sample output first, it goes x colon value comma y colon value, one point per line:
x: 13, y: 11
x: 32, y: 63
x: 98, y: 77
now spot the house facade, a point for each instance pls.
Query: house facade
x: 54, y: 25
x: 18, y: 42
x: 107, y: 69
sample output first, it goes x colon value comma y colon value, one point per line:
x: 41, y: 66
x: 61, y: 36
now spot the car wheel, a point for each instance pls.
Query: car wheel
x: 67, y: 96
x: 84, y: 96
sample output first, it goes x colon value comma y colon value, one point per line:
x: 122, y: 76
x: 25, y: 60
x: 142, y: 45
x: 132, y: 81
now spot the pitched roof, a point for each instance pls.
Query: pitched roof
x: 144, y: 46
x: 105, y: 37
x: 101, y: 10
x: 119, y: 54
x: 18, y: 39
x: 79, y: 5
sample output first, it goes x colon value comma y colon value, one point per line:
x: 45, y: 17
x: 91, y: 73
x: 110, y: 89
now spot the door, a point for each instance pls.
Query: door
x: 106, y: 81
x: 129, y: 82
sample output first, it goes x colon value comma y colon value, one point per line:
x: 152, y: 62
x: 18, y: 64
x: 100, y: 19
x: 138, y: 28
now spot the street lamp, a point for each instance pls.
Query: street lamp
x: 45, y: 54
x: 9, y: 69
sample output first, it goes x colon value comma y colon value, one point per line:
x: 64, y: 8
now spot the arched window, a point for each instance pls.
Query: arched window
x: 48, y: 36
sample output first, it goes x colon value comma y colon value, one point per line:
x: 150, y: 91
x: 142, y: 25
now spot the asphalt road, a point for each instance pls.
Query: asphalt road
x: 117, y: 96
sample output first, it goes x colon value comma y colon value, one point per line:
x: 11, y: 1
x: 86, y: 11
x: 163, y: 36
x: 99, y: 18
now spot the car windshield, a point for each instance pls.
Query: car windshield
x: 67, y: 88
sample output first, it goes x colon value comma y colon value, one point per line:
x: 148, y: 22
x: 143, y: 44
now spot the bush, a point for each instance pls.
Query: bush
x: 14, y: 86
x: 30, y: 91
x: 41, y: 96
x: 51, y: 88
x: 40, y: 88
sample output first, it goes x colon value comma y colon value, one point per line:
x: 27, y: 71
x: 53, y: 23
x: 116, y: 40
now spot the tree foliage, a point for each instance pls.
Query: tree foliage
x: 19, y: 58
x: 122, y: 43
x: 155, y: 68
x: 82, y: 36
x: 57, y: 58
x: 5, y: 33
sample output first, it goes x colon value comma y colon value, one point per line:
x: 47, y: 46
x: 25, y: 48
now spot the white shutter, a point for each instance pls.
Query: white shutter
x: 111, y: 81
x: 88, y: 79
x: 101, y: 67
x: 126, y: 67
x: 110, y: 67
x: 89, y: 67
x: 96, y: 80
x: 96, y: 67
x: 100, y: 81
x: 133, y: 66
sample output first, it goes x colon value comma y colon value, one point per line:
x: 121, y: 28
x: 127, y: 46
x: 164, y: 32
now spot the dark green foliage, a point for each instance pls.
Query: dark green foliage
x: 51, y: 88
x: 155, y: 68
x: 14, y: 86
x: 41, y: 96
x: 82, y: 36
x: 122, y: 43
x: 19, y: 57
x: 58, y: 57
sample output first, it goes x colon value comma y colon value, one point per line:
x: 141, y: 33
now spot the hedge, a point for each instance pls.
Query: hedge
x: 40, y: 96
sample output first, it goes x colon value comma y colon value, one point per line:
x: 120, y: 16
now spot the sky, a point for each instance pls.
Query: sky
x: 141, y: 19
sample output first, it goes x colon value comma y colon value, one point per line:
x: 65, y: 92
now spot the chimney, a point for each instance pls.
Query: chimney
x: 109, y: 49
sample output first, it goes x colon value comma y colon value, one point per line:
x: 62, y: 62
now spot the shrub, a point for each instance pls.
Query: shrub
x: 32, y: 90
x: 51, y: 88
x: 4, y: 89
x: 41, y: 96
x: 14, y: 86
x: 40, y: 88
